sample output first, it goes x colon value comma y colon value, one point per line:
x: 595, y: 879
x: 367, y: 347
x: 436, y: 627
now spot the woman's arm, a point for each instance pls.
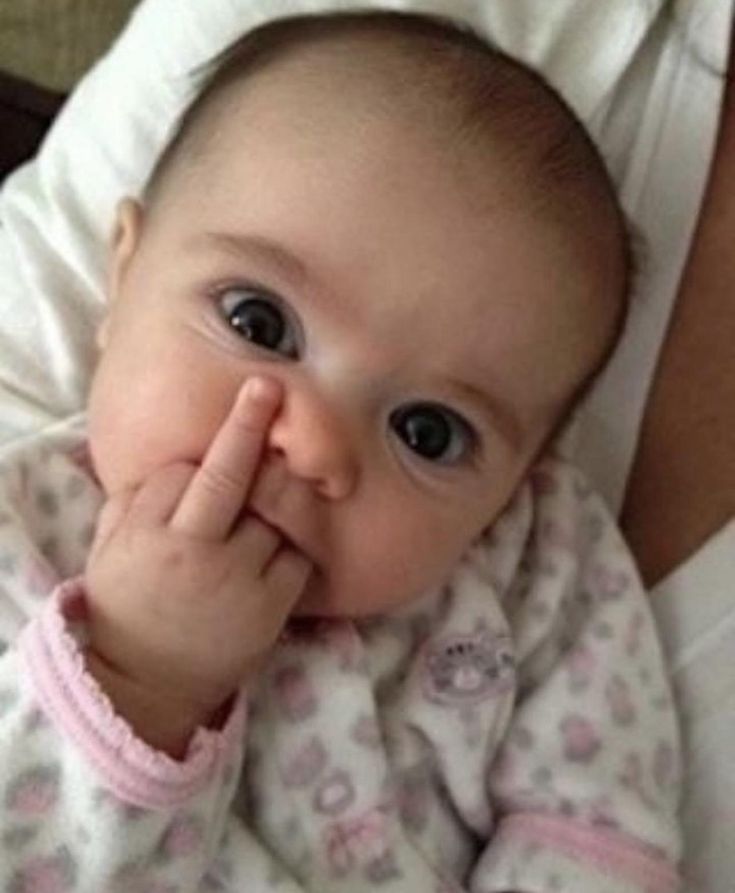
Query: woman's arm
x: 682, y: 486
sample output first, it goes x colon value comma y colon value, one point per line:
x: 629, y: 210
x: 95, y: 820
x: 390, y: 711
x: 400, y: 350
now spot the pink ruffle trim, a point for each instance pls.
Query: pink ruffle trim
x: 609, y: 851
x: 74, y: 701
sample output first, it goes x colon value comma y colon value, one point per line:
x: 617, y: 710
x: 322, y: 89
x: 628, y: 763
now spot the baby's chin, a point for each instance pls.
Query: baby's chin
x: 318, y: 600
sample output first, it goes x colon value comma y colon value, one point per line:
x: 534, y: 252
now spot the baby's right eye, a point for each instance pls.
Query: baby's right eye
x: 257, y: 316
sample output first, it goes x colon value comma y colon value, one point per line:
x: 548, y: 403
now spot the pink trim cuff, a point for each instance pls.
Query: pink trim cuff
x: 609, y: 852
x: 74, y: 701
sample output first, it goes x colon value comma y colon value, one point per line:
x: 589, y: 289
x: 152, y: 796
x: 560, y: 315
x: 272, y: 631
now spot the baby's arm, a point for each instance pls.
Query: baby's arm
x: 91, y: 802
x: 587, y: 782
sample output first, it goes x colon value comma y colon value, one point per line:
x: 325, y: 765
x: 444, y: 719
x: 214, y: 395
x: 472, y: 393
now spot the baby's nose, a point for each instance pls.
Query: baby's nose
x: 314, y: 440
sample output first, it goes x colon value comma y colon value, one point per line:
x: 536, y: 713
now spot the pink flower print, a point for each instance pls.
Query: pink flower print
x: 608, y: 582
x: 294, y: 693
x: 340, y: 638
x: 50, y: 874
x: 581, y: 742
x: 35, y: 792
x: 581, y: 664
x: 183, y: 837
x: 306, y: 764
x: 365, y: 731
x: 556, y: 535
x: 359, y: 841
x: 601, y: 812
x: 383, y: 868
x: 335, y: 793
x: 619, y: 699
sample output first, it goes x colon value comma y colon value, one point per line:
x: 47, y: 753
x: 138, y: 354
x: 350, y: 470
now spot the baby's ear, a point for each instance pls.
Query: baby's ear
x: 125, y: 236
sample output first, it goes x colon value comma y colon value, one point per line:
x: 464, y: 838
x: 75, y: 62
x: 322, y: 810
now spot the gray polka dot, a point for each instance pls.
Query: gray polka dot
x: 83, y: 835
x: 603, y: 630
x: 47, y: 502
x: 522, y: 737
x: 86, y: 536
x: 8, y: 563
x: 541, y: 776
x: 18, y: 837
x: 8, y: 699
x: 540, y: 610
x: 74, y: 487
x: 49, y: 547
x: 662, y: 702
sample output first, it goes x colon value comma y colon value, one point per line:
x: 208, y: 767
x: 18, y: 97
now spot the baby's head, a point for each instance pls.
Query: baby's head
x: 415, y: 237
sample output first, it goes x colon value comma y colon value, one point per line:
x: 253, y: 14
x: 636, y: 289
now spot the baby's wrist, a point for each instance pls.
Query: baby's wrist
x: 164, y: 722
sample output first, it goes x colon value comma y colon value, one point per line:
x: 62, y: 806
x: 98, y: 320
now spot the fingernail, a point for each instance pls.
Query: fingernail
x: 260, y: 389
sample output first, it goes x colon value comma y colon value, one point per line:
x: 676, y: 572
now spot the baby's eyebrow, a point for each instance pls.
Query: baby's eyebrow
x: 263, y: 249
x: 499, y: 413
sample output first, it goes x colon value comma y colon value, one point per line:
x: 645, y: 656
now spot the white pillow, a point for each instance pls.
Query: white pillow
x: 56, y: 212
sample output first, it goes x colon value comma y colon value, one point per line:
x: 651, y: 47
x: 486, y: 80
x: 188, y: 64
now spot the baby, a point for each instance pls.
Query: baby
x: 309, y: 601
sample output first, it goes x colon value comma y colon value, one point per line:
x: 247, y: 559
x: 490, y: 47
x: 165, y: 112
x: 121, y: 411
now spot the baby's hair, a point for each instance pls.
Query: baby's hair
x: 469, y: 90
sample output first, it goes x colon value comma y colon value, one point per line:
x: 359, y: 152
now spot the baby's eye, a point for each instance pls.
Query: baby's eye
x: 256, y: 315
x: 428, y: 430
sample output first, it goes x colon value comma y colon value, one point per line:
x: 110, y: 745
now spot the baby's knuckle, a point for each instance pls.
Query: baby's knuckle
x: 220, y: 481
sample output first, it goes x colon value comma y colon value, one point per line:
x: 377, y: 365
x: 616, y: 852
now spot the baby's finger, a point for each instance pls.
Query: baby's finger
x: 221, y: 484
x: 255, y: 542
x: 287, y: 575
x: 156, y: 499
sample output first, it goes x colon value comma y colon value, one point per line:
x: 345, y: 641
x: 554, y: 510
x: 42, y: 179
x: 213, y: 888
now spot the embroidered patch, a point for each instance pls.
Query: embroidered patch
x: 467, y: 669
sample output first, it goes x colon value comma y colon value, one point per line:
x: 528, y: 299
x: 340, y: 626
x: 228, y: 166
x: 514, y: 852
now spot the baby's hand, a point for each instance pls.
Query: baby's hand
x: 185, y: 595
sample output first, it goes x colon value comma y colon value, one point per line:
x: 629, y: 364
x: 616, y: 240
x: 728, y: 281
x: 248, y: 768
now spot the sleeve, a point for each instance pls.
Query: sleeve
x: 585, y: 786
x: 85, y: 804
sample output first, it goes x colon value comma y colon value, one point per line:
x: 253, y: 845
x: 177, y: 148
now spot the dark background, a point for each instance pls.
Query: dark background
x: 26, y: 111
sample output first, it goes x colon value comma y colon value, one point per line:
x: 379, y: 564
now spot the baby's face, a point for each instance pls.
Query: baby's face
x: 426, y: 335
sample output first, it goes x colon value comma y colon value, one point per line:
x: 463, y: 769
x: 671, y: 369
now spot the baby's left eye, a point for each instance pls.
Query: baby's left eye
x: 434, y: 433
x: 256, y: 316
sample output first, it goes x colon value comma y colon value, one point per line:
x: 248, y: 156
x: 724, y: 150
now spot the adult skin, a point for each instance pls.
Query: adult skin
x: 682, y: 485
